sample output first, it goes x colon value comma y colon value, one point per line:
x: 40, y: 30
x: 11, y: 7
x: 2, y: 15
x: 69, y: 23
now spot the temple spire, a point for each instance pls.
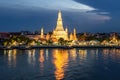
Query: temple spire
x: 74, y: 34
x: 42, y: 33
x: 59, y: 26
x: 59, y: 31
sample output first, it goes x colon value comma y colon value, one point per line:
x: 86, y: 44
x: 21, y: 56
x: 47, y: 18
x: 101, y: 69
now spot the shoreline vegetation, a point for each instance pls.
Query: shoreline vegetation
x: 59, y: 47
x: 23, y: 42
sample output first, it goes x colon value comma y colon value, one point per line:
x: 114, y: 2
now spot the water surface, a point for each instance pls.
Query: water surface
x: 60, y: 64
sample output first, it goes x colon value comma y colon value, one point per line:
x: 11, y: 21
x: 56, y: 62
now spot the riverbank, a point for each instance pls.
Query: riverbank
x: 62, y: 47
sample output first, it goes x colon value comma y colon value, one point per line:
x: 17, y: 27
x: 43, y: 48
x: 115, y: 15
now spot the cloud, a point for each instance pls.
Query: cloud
x: 48, y: 4
x: 80, y: 14
x: 67, y: 5
x: 106, y: 5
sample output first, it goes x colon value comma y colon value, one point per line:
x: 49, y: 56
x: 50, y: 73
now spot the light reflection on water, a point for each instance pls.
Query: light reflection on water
x: 58, y: 64
x: 73, y: 54
x: 82, y: 54
x: 31, y: 57
x: 60, y: 61
x: 11, y: 57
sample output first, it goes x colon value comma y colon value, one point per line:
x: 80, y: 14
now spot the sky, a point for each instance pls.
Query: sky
x: 84, y: 15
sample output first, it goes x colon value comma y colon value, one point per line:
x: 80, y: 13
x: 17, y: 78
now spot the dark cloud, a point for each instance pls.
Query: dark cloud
x: 107, y: 5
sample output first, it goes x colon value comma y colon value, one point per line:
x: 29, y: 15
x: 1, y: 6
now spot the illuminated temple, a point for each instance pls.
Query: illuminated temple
x: 59, y: 31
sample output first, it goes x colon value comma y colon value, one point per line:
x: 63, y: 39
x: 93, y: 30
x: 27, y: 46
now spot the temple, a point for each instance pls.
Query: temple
x: 59, y: 31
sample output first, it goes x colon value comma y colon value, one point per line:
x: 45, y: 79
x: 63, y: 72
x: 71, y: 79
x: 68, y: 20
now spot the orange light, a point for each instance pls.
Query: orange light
x: 60, y: 59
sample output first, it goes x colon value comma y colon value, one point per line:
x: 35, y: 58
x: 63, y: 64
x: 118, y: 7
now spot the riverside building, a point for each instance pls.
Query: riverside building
x: 59, y: 31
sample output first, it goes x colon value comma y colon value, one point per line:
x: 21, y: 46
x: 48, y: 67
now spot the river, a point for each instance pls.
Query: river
x: 60, y: 64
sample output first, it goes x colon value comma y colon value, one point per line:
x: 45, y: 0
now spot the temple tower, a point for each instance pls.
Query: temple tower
x: 66, y: 30
x: 71, y: 36
x: 59, y: 31
x: 59, y: 26
x: 74, y: 34
x: 42, y: 33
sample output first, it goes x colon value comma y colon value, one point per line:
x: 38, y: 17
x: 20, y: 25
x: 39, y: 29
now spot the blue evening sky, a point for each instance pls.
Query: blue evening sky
x: 84, y: 15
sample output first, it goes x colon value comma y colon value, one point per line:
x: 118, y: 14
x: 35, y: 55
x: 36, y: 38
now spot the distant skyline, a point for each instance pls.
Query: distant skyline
x: 84, y: 15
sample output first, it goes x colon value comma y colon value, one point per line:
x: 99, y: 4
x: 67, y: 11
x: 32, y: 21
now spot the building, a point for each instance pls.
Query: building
x: 59, y: 31
x: 3, y: 36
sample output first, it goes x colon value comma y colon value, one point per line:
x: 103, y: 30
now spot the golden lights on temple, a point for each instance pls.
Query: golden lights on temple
x: 59, y: 31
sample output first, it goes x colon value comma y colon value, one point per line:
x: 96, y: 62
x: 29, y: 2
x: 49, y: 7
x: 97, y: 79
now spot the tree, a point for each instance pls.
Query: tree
x: 61, y: 41
x: 49, y: 42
